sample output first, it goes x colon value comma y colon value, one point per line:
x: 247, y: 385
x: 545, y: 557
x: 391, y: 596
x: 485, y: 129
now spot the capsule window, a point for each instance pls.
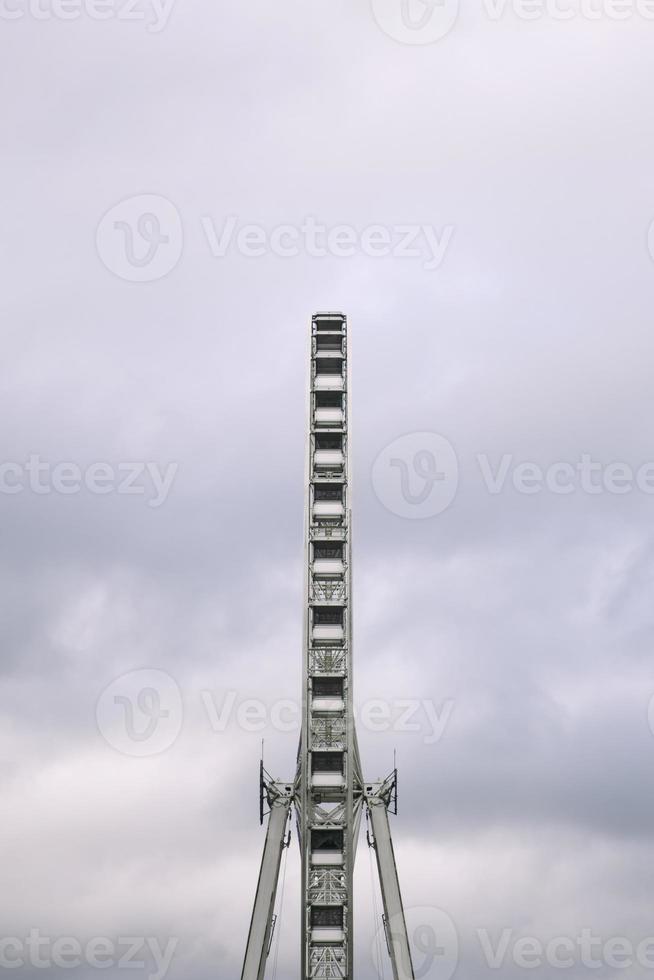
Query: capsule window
x: 329, y: 440
x: 327, y: 916
x: 327, y: 762
x: 328, y: 491
x: 329, y: 342
x: 329, y: 399
x: 328, y: 616
x: 328, y: 550
x: 327, y: 839
x: 328, y: 324
x: 328, y: 687
x: 329, y: 365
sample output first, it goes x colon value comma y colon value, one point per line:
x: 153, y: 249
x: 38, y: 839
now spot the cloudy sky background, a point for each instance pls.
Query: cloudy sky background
x: 532, y: 614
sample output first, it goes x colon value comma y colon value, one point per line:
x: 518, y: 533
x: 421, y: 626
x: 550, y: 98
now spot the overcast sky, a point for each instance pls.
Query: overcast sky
x: 513, y: 159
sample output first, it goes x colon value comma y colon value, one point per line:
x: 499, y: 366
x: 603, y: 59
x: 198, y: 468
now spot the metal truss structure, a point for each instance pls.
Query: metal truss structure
x: 329, y: 794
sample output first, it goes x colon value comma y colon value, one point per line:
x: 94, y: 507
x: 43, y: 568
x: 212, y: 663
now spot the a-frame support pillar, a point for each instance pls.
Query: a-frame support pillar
x: 395, y: 923
x: 261, y: 925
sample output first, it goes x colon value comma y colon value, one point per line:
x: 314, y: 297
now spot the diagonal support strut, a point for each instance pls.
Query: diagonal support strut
x: 261, y: 925
x: 396, y: 931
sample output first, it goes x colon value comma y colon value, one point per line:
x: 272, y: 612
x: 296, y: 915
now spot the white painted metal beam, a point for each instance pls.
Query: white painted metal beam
x: 396, y: 931
x: 256, y: 952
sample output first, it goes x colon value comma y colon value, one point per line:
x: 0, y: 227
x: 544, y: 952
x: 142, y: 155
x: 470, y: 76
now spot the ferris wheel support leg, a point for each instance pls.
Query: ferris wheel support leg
x: 395, y: 923
x: 261, y: 926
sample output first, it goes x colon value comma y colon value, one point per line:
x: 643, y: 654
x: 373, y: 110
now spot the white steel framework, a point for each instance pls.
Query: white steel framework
x: 328, y: 793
